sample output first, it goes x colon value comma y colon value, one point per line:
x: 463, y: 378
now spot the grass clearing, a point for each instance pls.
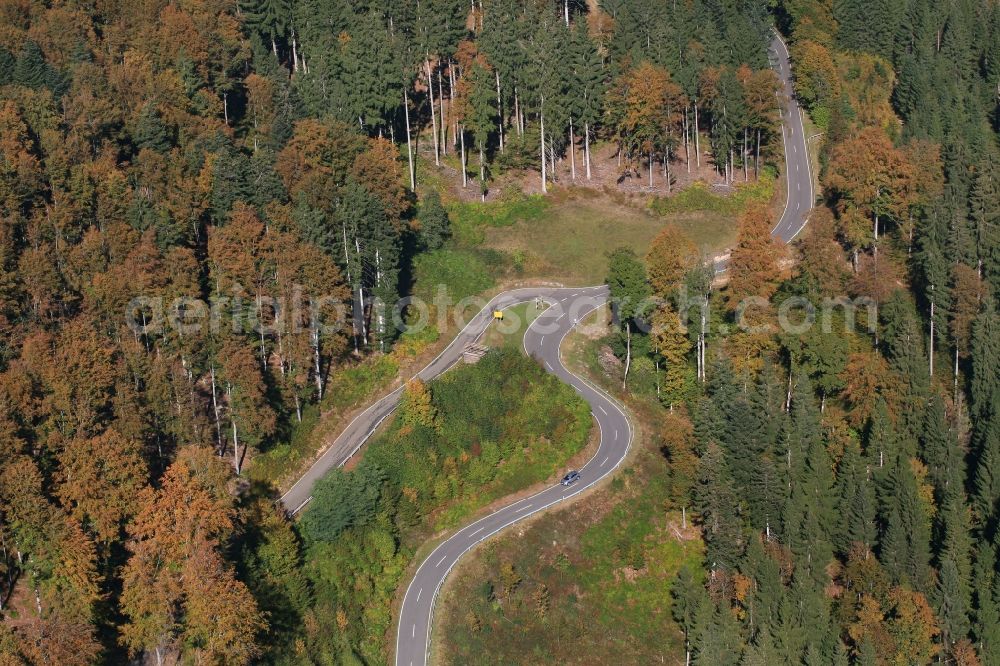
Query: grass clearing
x: 593, y: 578
x: 570, y: 239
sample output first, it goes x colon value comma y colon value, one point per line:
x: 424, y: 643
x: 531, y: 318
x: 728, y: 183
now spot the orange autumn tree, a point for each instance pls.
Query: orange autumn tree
x: 100, y: 478
x: 753, y: 266
x: 645, y: 109
x: 870, y: 181
x: 671, y: 255
x: 177, y: 590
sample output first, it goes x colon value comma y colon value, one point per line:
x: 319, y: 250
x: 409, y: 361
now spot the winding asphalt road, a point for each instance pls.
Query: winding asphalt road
x: 542, y: 341
x: 365, y: 423
x: 798, y: 176
x: 798, y: 171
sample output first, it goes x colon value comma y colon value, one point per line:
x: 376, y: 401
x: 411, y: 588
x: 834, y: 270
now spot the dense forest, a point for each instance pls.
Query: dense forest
x: 238, y: 155
x: 251, y: 153
x: 844, y: 476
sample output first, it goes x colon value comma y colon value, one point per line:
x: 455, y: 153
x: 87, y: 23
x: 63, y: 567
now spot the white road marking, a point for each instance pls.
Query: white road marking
x: 414, y: 631
x: 616, y: 433
x: 797, y: 206
x: 795, y: 148
x: 541, y: 340
x: 441, y: 560
x: 603, y: 411
x: 798, y: 186
x: 603, y: 461
x: 548, y: 365
x: 796, y: 166
x: 478, y: 531
x: 526, y: 506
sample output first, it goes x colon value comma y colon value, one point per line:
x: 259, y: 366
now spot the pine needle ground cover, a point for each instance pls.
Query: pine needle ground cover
x: 456, y: 444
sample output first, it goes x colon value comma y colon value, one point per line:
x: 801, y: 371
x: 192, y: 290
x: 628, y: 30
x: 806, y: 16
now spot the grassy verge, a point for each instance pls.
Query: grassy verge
x: 699, y: 197
x: 510, y: 332
x: 349, y: 388
x: 587, y: 584
x: 476, y: 434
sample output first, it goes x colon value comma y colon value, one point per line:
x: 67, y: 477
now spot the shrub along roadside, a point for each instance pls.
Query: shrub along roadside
x: 456, y: 444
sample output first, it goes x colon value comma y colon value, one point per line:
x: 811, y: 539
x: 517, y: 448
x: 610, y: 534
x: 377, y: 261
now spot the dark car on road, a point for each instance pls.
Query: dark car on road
x: 570, y: 478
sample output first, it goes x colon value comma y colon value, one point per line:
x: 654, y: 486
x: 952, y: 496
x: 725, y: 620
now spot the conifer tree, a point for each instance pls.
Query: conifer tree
x: 7, y: 64
x: 985, y: 380
x: 809, y: 517
x: 717, y: 503
x: 268, y: 19
x: 587, y: 88
x: 856, y: 507
x: 480, y: 115
x: 669, y: 339
x: 904, y: 546
x: 986, y: 627
x: 150, y: 131
x: 31, y: 70
x: 435, y: 227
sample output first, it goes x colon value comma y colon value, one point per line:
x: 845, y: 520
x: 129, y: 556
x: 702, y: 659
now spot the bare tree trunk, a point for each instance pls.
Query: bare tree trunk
x: 215, y: 409
x: 687, y: 144
x: 430, y: 91
x: 295, y: 53
x: 451, y: 101
x: 517, y: 113
x: 232, y: 423
x: 756, y: 160
x: 703, y: 337
x: 347, y: 264
x: 650, y: 169
x: 746, y: 175
x: 482, y: 173
x: 409, y: 141
x: 361, y: 296
x: 697, y: 137
x: 499, y: 111
x: 788, y: 395
x: 379, y: 307
x: 666, y: 169
x: 628, y: 352
x: 317, y: 367
x: 586, y: 147
x: 572, y: 151
x: 956, y: 374
x: 461, y: 139
x: 236, y: 447
x: 260, y: 320
x: 444, y: 125
x: 541, y: 120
